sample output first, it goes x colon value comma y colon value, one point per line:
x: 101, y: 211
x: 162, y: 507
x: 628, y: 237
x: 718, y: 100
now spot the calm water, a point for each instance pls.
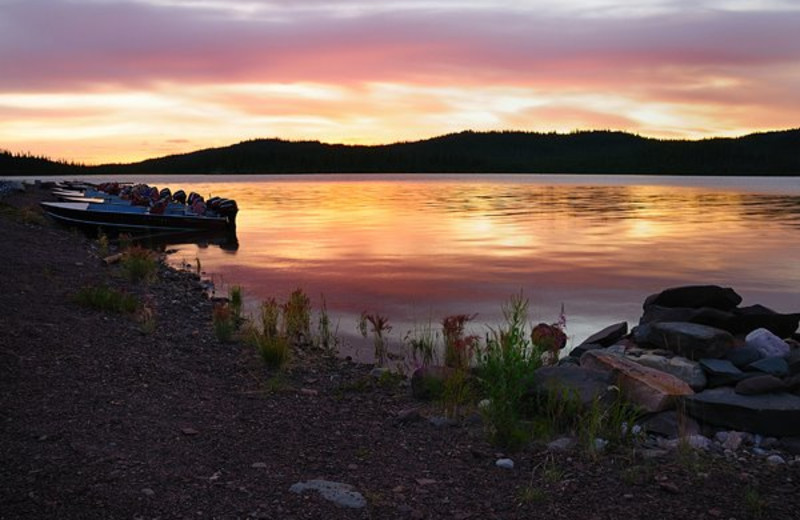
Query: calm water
x: 416, y: 248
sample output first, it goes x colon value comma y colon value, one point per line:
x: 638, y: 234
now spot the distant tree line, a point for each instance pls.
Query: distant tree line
x: 771, y: 153
x: 29, y: 164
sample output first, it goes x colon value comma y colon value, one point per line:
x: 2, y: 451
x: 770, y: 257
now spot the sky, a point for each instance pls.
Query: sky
x: 99, y: 81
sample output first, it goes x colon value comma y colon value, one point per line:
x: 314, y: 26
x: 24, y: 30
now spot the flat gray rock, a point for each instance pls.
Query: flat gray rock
x: 774, y: 414
x: 340, y: 494
x: 776, y: 366
x: 582, y: 383
x: 689, y: 340
x: 609, y: 335
x: 762, y: 384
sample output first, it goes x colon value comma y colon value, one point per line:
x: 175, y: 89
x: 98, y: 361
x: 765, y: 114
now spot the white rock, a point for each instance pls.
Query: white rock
x: 775, y: 460
x: 767, y: 343
x: 504, y: 463
x: 562, y: 444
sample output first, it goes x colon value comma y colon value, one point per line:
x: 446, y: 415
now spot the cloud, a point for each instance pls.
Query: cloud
x: 372, y: 71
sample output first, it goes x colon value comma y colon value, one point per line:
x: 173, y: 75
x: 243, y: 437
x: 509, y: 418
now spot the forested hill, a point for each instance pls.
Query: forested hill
x: 772, y: 153
x: 775, y: 153
x: 27, y: 164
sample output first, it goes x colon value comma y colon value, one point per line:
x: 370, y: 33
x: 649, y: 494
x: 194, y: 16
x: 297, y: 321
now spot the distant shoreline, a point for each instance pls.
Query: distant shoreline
x: 594, y: 152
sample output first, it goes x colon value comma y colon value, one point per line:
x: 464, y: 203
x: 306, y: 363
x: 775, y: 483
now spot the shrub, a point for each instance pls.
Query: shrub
x: 297, y: 317
x: 106, y: 299
x: 506, y: 367
x: 458, y: 350
x: 139, y: 264
x: 224, y: 323
x: 273, y: 348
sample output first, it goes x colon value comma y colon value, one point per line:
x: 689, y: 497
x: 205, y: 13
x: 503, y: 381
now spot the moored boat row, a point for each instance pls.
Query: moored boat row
x: 139, y: 208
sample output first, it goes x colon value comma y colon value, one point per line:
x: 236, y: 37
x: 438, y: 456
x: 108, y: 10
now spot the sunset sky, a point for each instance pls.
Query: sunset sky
x: 121, y: 80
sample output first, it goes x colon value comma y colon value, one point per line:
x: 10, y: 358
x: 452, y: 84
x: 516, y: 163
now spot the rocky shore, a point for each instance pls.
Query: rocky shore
x: 101, y: 417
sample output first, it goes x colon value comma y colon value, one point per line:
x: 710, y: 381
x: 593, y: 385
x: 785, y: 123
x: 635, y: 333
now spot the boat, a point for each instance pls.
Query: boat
x: 130, y: 218
x: 140, y: 209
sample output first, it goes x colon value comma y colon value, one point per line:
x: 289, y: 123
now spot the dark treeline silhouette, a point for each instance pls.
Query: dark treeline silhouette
x: 28, y: 164
x: 771, y: 153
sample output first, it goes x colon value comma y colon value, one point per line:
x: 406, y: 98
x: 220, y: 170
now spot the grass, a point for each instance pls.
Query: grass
x: 104, y: 298
x: 297, y: 317
x: 274, y: 349
x: 327, y: 336
x: 505, y: 366
x: 458, y: 393
x: 223, y: 321
x: 139, y: 264
x: 236, y: 302
x: 422, y: 343
x: 380, y: 326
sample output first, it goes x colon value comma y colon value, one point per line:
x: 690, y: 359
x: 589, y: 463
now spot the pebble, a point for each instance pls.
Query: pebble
x: 775, y: 460
x: 504, y: 463
x: 147, y: 491
x: 259, y: 465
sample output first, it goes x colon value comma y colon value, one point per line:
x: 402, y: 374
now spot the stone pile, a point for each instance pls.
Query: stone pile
x: 696, y: 350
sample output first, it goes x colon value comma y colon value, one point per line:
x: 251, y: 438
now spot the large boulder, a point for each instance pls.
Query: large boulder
x: 650, y: 389
x: 696, y: 296
x: 689, y: 340
x: 680, y: 367
x: 609, y: 335
x: 767, y: 343
x: 704, y: 316
x: 760, y: 317
x: 583, y: 384
x: 774, y: 414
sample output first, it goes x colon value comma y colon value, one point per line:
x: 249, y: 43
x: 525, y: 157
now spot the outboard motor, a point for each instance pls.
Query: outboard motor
x: 165, y: 193
x: 179, y: 196
x: 228, y: 209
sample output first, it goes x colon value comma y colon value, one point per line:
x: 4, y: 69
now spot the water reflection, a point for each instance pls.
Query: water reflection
x: 425, y: 247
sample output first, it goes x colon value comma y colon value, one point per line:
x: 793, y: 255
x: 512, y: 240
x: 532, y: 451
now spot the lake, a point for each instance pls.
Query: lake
x: 416, y: 248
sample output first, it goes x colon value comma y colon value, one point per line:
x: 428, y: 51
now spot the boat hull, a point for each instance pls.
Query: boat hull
x: 132, y: 219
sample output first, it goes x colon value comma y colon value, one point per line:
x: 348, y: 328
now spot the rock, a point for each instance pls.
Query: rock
x: 504, y: 463
x: 760, y: 317
x: 704, y: 316
x: 721, y: 372
x: 775, y: 366
x: 578, y: 351
x: 760, y: 385
x: 548, y: 337
x: 680, y: 367
x: 733, y: 440
x: 379, y: 372
x: 695, y: 441
x: 583, y: 383
x: 340, y: 494
x: 148, y: 492
x: 793, y: 361
x: 440, y: 421
x: 600, y: 445
x: 776, y: 414
x: 427, y: 382
x: 741, y: 356
x: 792, y: 383
x: 688, y: 339
x: 608, y: 336
x: 562, y: 444
x: 408, y: 416
x: 791, y: 445
x: 650, y: 389
x: 259, y: 465
x: 569, y: 361
x: 767, y: 343
x: 775, y: 460
x: 670, y: 424
x: 696, y: 296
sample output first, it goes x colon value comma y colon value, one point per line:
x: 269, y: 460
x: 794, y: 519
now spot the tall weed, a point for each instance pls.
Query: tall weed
x: 297, y: 317
x: 139, y: 264
x: 380, y: 326
x: 506, y: 368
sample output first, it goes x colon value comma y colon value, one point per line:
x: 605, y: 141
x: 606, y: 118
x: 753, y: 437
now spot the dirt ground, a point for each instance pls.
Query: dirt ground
x: 102, y: 419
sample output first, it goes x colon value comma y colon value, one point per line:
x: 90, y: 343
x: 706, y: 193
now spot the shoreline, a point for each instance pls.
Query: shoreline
x: 102, y: 419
